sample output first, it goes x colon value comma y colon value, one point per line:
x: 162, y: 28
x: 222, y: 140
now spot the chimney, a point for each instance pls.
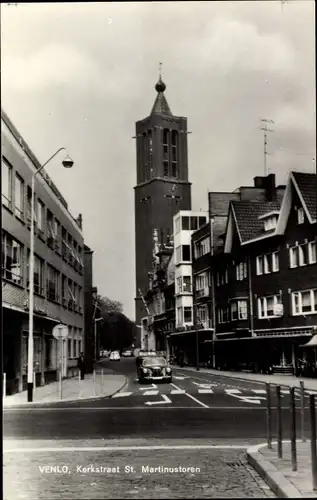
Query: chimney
x: 259, y: 182
x: 270, y: 187
x: 79, y: 221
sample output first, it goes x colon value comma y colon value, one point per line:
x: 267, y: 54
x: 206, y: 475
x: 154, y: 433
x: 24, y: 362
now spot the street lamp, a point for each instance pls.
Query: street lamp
x: 67, y: 163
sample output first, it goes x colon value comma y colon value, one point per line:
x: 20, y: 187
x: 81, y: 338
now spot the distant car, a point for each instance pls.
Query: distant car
x: 152, y: 368
x: 115, y: 356
x: 127, y: 353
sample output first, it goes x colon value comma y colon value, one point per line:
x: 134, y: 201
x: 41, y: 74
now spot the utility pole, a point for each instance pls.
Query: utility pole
x: 266, y: 130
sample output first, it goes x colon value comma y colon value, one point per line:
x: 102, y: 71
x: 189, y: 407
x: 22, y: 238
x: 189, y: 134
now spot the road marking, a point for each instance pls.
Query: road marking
x: 197, y: 400
x: 179, y: 378
x: 150, y: 393
x: 129, y: 408
x: 247, y: 399
x: 121, y: 395
x: 232, y: 391
x: 154, y: 386
x: 259, y: 391
x: 176, y: 391
x: 204, y: 386
x: 128, y: 448
x: 205, y: 391
x: 165, y: 401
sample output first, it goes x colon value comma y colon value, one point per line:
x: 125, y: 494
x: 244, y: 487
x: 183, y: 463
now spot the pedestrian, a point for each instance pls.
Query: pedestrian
x: 81, y: 365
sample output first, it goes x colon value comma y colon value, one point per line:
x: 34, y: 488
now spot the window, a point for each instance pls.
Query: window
x: 179, y: 315
x: 241, y: 271
x: 223, y: 315
x: 201, y: 221
x: 165, y: 167
x: 239, y: 310
x: 64, y: 291
x: 11, y: 259
x: 187, y: 315
x: 71, y: 297
x: 40, y: 215
x: 267, y: 263
x: 302, y: 255
x: 222, y: 277
x: 300, y: 216
x: 165, y: 152
x: 193, y: 223
x: 69, y: 348
x: 266, y: 306
x: 202, y: 247
x: 57, y: 232
x: 80, y: 299
x: 179, y: 284
x: 186, y: 253
x: 185, y: 223
x: 187, y: 284
x: 177, y: 225
x: 304, y: 302
x: 80, y: 259
x: 71, y: 257
x: 52, y: 283
x: 270, y: 223
x: 64, y: 244
x: 19, y: 196
x: 178, y: 254
x: 6, y: 183
x: 38, y: 274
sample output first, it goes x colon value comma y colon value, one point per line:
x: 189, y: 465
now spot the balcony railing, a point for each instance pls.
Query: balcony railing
x: 204, y: 292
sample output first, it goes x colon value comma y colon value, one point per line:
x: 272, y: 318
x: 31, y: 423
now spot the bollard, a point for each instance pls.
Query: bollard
x: 269, y: 416
x: 60, y: 384
x: 102, y: 380
x: 94, y: 382
x: 313, y: 444
x: 279, y: 422
x: 34, y: 380
x: 4, y: 385
x: 293, y: 428
x: 302, y: 410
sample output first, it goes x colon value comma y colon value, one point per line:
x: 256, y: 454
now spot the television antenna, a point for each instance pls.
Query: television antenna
x: 264, y: 127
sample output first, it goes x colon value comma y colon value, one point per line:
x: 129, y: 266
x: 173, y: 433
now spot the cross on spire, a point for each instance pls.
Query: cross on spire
x: 160, y: 70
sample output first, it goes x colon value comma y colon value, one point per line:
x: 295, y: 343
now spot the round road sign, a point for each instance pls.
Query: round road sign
x: 60, y: 332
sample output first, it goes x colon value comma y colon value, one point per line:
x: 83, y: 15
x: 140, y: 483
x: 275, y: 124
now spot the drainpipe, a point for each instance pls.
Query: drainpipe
x: 250, y: 297
x: 213, y: 304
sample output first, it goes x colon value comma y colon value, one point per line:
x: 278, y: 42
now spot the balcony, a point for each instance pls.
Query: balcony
x: 203, y: 293
x: 206, y: 324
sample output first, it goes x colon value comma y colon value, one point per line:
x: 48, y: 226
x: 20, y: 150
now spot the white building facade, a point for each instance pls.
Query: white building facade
x: 185, y: 223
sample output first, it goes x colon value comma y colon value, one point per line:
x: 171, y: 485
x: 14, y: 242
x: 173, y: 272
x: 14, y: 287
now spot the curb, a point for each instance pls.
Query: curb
x: 233, y: 375
x: 66, y: 400
x: 269, y: 473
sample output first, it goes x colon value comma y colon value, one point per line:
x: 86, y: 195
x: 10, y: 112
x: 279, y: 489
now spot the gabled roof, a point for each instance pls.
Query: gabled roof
x: 306, y: 184
x: 306, y: 188
x: 247, y: 215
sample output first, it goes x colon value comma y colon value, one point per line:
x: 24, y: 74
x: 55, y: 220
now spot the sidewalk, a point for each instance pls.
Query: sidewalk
x: 286, y: 380
x: 72, y: 390
x: 278, y: 474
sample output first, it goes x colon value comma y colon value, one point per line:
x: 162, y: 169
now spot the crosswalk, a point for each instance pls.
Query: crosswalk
x: 156, y: 392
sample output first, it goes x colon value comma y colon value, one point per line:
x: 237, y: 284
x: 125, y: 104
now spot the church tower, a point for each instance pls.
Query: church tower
x: 162, y: 184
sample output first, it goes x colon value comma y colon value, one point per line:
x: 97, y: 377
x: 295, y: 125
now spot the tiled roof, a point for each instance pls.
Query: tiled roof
x: 307, y: 184
x: 161, y: 106
x: 247, y: 215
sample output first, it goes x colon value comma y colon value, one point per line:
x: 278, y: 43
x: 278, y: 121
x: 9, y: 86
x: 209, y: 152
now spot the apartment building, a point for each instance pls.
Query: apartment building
x: 58, y: 269
x: 266, y: 293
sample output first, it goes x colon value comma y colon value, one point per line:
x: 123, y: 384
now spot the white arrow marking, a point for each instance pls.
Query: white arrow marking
x: 146, y: 388
x: 252, y: 399
x: 176, y: 391
x: 150, y: 393
x: 122, y: 394
x: 259, y: 391
x: 205, y: 391
x: 232, y: 391
x: 166, y: 401
x: 204, y: 386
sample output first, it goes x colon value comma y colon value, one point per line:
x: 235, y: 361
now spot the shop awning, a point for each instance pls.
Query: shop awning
x: 311, y: 343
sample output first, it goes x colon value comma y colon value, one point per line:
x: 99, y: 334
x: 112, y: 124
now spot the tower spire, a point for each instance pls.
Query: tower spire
x: 161, y: 106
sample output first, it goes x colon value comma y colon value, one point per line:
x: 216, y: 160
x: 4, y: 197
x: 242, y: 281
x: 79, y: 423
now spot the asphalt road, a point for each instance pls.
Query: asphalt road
x: 195, y: 411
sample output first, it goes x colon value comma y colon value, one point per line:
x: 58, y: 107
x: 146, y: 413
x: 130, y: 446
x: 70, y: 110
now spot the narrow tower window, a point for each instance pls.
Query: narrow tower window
x: 165, y: 151
x: 174, y: 153
x: 146, y: 157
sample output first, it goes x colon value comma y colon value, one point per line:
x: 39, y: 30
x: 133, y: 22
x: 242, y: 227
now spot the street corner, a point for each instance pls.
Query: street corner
x: 275, y: 479
x: 122, y: 383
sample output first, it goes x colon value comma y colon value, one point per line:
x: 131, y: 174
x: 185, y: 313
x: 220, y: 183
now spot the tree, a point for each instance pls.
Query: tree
x: 107, y: 305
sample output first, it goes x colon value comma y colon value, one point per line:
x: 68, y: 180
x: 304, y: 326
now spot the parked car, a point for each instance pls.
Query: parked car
x: 115, y: 356
x: 154, y: 368
x: 127, y: 353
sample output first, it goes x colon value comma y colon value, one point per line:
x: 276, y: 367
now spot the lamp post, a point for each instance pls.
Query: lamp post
x: 96, y: 321
x: 67, y: 163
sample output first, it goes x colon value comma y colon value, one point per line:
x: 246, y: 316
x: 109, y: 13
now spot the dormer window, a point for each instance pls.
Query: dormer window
x: 270, y: 223
x: 300, y: 216
x: 270, y: 220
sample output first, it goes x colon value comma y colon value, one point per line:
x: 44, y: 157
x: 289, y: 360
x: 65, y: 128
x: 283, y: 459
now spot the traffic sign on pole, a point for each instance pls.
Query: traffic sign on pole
x: 60, y: 332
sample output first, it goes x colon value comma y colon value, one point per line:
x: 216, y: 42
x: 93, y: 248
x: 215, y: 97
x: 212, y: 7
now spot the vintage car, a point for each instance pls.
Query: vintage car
x: 154, y: 368
x: 114, y: 356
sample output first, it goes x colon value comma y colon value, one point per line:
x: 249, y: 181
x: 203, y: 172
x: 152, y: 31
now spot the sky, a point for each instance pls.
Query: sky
x: 80, y: 75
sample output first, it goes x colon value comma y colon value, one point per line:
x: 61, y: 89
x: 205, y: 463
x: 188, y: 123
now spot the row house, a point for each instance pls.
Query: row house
x: 266, y: 280
x: 58, y: 267
x: 160, y: 298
